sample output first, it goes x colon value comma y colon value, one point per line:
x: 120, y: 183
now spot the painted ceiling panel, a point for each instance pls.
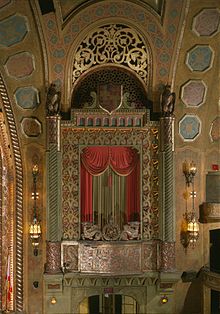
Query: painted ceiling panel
x: 69, y: 6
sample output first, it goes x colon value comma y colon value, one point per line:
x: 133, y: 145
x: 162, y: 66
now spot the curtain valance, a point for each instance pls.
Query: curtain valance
x: 96, y: 159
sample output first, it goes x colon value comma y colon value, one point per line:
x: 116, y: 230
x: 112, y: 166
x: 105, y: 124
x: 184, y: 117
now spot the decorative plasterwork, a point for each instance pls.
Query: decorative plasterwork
x: 161, y: 38
x: 87, y: 93
x: 189, y: 127
x: 215, y: 130
x: 193, y: 93
x: 73, y: 139
x: 206, y: 22
x: 116, y: 44
x: 27, y: 97
x: 199, y: 58
x: 128, y: 281
x: 13, y: 30
x: 20, y: 65
x: 69, y: 8
x: 101, y: 257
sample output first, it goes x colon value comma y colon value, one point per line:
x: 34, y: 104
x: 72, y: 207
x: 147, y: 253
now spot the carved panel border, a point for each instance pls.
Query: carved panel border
x: 110, y: 257
x: 73, y: 139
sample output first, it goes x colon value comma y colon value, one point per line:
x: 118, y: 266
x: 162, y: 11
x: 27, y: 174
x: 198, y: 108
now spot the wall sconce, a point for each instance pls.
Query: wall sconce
x: 164, y: 299
x: 53, y: 300
x: 189, y: 170
x: 35, y: 228
x: 190, y: 234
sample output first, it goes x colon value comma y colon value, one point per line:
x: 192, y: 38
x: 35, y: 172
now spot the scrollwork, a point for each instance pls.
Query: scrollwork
x: 112, y: 44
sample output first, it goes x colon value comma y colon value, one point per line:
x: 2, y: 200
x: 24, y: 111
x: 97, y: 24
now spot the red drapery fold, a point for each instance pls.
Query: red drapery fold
x: 125, y: 162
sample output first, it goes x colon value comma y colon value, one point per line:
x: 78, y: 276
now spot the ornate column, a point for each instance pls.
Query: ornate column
x: 53, y: 156
x: 167, y: 191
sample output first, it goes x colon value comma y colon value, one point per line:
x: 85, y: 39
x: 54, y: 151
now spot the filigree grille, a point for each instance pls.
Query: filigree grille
x: 116, y: 44
x: 135, y: 95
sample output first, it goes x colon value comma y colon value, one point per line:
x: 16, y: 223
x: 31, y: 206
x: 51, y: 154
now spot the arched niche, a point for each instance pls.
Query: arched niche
x: 86, y: 89
x: 119, y: 44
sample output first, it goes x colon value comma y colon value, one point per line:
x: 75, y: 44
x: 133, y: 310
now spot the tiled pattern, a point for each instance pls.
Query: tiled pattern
x: 27, y: 97
x: 193, y: 93
x: 31, y: 127
x: 206, y: 23
x: 189, y: 127
x: 13, y: 30
x: 20, y: 65
x: 199, y: 58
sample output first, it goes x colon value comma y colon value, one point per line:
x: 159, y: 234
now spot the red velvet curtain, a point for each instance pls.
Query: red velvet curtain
x: 125, y: 162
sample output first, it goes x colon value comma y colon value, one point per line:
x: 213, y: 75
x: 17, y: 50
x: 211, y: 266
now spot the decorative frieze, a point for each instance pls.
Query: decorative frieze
x: 118, y: 257
x: 107, y: 258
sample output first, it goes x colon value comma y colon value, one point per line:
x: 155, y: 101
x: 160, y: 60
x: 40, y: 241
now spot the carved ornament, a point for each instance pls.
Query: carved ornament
x: 115, y: 44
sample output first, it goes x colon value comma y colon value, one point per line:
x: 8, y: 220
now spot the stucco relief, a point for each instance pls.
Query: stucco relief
x: 53, y: 257
x: 70, y: 257
x: 110, y: 259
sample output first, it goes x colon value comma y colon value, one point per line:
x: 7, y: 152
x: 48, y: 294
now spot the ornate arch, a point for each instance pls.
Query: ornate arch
x: 118, y: 43
x: 17, y: 192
